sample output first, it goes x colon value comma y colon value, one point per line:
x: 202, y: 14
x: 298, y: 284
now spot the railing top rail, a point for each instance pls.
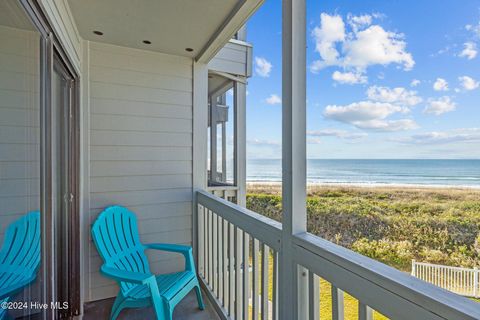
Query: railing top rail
x: 443, y: 266
x: 260, y: 227
x: 390, y: 291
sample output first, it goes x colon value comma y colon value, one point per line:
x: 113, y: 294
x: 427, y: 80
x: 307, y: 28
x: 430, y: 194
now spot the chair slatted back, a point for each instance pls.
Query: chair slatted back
x: 20, y: 253
x: 115, y: 234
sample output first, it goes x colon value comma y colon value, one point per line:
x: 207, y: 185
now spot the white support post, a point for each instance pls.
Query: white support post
x: 414, y: 271
x: 293, y: 284
x: 476, y: 289
x: 240, y: 136
x: 199, y: 163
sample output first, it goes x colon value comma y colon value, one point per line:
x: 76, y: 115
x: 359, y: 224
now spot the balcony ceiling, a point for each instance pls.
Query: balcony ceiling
x: 170, y: 25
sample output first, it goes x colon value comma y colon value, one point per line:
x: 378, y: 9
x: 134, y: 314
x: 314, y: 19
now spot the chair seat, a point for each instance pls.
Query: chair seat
x: 168, y: 285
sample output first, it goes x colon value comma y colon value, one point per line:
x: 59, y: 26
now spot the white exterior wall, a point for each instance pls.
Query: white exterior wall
x: 234, y: 58
x: 140, y: 150
x: 19, y: 125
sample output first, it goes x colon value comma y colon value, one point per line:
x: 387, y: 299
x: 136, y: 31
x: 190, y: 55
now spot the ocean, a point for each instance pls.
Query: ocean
x: 459, y: 173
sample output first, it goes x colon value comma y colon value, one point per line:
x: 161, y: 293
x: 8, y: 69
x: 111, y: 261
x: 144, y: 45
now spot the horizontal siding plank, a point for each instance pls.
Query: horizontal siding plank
x: 155, y: 211
x: 138, y: 168
x: 19, y: 99
x: 129, y: 138
x: 19, y: 205
x: 17, y: 63
x: 21, y: 135
x: 140, y: 153
x: 132, y: 123
x: 19, y: 117
x: 19, y: 152
x: 135, y: 198
x: 133, y: 183
x: 141, y: 79
x: 19, y: 170
x: 136, y: 93
x: 140, y: 109
x: 19, y: 187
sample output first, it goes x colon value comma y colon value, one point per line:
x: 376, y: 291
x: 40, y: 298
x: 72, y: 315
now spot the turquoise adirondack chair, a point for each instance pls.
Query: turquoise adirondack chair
x: 115, y: 234
x: 19, y: 256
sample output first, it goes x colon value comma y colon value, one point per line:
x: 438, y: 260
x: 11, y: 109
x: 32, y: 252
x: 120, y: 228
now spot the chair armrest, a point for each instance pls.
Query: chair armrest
x: 185, y: 250
x: 169, y: 247
x: 126, y: 276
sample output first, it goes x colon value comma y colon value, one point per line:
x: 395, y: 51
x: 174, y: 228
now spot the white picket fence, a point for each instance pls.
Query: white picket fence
x: 462, y: 281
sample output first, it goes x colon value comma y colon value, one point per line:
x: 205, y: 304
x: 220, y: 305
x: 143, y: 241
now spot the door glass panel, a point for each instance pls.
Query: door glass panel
x: 60, y: 175
x: 20, y: 229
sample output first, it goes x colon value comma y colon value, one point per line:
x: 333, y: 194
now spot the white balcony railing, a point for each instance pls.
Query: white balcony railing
x: 238, y: 264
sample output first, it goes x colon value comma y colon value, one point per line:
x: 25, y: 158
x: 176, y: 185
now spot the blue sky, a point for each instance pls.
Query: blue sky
x: 385, y: 79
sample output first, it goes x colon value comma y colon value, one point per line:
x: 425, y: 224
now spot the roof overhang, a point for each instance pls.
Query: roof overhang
x: 171, y: 26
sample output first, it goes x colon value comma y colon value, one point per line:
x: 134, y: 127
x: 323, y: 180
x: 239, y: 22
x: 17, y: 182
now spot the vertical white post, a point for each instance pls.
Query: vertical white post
x: 240, y: 136
x: 293, y: 284
x: 199, y: 163
x: 414, y: 271
x: 475, y: 282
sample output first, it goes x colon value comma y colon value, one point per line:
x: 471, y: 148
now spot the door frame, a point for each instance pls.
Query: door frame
x: 51, y: 47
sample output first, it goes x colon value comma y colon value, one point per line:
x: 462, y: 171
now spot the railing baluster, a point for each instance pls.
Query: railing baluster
x: 231, y: 269
x: 220, y: 258
x: 364, y: 312
x: 214, y: 254
x: 200, y: 244
x: 313, y: 296
x: 264, y: 299
x: 275, y: 286
x: 255, y: 279
x: 246, y: 276
x: 238, y: 273
x: 210, y: 261
x: 225, y: 280
x: 338, y: 310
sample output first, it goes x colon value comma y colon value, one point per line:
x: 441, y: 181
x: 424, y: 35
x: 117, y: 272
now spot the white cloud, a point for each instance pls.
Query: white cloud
x: 475, y: 29
x: 442, y: 137
x: 273, y: 99
x: 263, y: 67
x: 260, y: 142
x: 440, y: 85
x: 415, y: 82
x: 440, y: 106
x: 357, y: 22
x: 330, y: 31
x: 361, y: 48
x: 369, y: 115
x: 469, y: 51
x: 468, y: 83
x: 400, y: 96
x: 349, y: 77
x: 337, y: 133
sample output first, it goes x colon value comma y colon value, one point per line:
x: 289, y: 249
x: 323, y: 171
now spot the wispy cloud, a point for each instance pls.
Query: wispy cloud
x: 440, y: 106
x: 343, y: 134
x: 260, y: 142
x: 468, y: 83
x: 443, y: 137
x: 440, y: 84
x: 273, y: 99
x: 399, y: 95
x: 263, y: 67
x: 415, y: 82
x: 370, y: 115
x: 469, y: 50
x: 349, y: 77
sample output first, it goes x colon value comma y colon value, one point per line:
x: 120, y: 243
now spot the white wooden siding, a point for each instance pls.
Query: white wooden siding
x: 233, y: 58
x: 19, y: 125
x: 140, y: 149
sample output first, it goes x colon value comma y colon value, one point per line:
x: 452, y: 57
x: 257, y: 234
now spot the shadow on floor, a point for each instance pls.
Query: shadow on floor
x: 187, y: 309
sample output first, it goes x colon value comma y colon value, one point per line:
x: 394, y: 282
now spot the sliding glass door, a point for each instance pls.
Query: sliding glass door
x: 39, y: 228
x: 21, y: 282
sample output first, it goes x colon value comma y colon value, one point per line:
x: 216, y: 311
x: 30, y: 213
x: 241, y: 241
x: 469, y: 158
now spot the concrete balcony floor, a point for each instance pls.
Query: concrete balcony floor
x: 187, y: 309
